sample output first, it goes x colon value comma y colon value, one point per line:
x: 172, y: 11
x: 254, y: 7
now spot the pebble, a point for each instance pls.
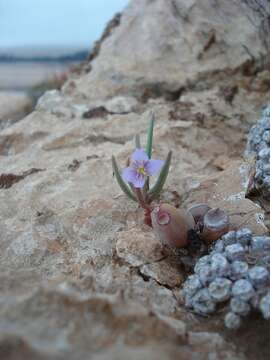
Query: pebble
x: 203, y: 303
x: 220, y: 265
x: 244, y: 237
x: 220, y: 289
x: 239, y: 269
x: 239, y: 306
x: 232, y: 321
x: 243, y: 290
x: 259, y: 276
x: 235, y: 252
x: 265, y: 306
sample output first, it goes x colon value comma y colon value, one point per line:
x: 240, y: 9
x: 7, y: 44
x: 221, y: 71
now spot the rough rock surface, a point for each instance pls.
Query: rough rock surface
x: 72, y: 286
x: 150, y: 60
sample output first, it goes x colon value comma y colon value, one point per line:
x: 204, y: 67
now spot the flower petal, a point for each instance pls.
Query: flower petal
x: 129, y: 174
x: 139, y: 155
x: 139, y: 181
x: 152, y: 167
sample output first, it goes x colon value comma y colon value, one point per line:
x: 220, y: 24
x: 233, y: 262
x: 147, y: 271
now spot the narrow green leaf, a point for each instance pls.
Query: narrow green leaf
x: 125, y: 188
x: 149, y: 143
x: 137, y: 141
x: 156, y: 189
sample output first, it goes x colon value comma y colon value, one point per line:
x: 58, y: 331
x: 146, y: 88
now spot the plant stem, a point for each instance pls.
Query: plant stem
x: 141, y: 199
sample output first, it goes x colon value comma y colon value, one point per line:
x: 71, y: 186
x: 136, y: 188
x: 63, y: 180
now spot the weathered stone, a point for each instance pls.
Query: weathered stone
x: 138, y: 248
x: 165, y: 272
x: 157, y: 61
x: 121, y: 104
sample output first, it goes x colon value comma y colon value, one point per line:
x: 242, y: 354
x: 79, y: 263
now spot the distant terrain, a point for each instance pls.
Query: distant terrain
x: 22, y: 69
x: 66, y: 58
x: 26, y: 73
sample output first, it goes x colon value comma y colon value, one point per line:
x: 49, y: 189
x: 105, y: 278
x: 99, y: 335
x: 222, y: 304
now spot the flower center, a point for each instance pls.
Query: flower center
x: 141, y: 170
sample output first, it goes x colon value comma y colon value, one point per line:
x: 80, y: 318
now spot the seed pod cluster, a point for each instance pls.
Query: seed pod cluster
x: 235, y: 274
x: 172, y: 225
x: 178, y: 228
x: 211, y: 224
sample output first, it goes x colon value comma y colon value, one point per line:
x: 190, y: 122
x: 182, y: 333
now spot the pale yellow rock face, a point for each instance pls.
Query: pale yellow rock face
x: 80, y: 275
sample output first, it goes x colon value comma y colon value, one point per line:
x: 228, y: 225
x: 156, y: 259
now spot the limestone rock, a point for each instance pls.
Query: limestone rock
x: 161, y: 46
x: 121, y: 104
x: 227, y: 191
x: 138, y: 247
x: 165, y: 272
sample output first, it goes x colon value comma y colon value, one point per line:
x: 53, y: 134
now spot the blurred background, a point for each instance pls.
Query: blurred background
x: 40, y: 41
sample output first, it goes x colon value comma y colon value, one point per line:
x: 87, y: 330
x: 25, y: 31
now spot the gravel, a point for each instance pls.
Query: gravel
x: 259, y: 145
x: 225, y: 278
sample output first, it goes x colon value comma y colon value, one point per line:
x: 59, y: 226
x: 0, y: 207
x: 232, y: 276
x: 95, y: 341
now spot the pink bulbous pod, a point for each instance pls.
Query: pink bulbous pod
x: 215, y: 224
x: 171, y: 225
x: 198, y: 211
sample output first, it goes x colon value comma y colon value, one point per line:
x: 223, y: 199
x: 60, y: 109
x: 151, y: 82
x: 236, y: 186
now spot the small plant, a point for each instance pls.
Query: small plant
x: 134, y: 180
x: 175, y: 228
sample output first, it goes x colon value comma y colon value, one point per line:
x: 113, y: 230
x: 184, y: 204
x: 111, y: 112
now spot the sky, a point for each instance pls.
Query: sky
x: 68, y: 23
